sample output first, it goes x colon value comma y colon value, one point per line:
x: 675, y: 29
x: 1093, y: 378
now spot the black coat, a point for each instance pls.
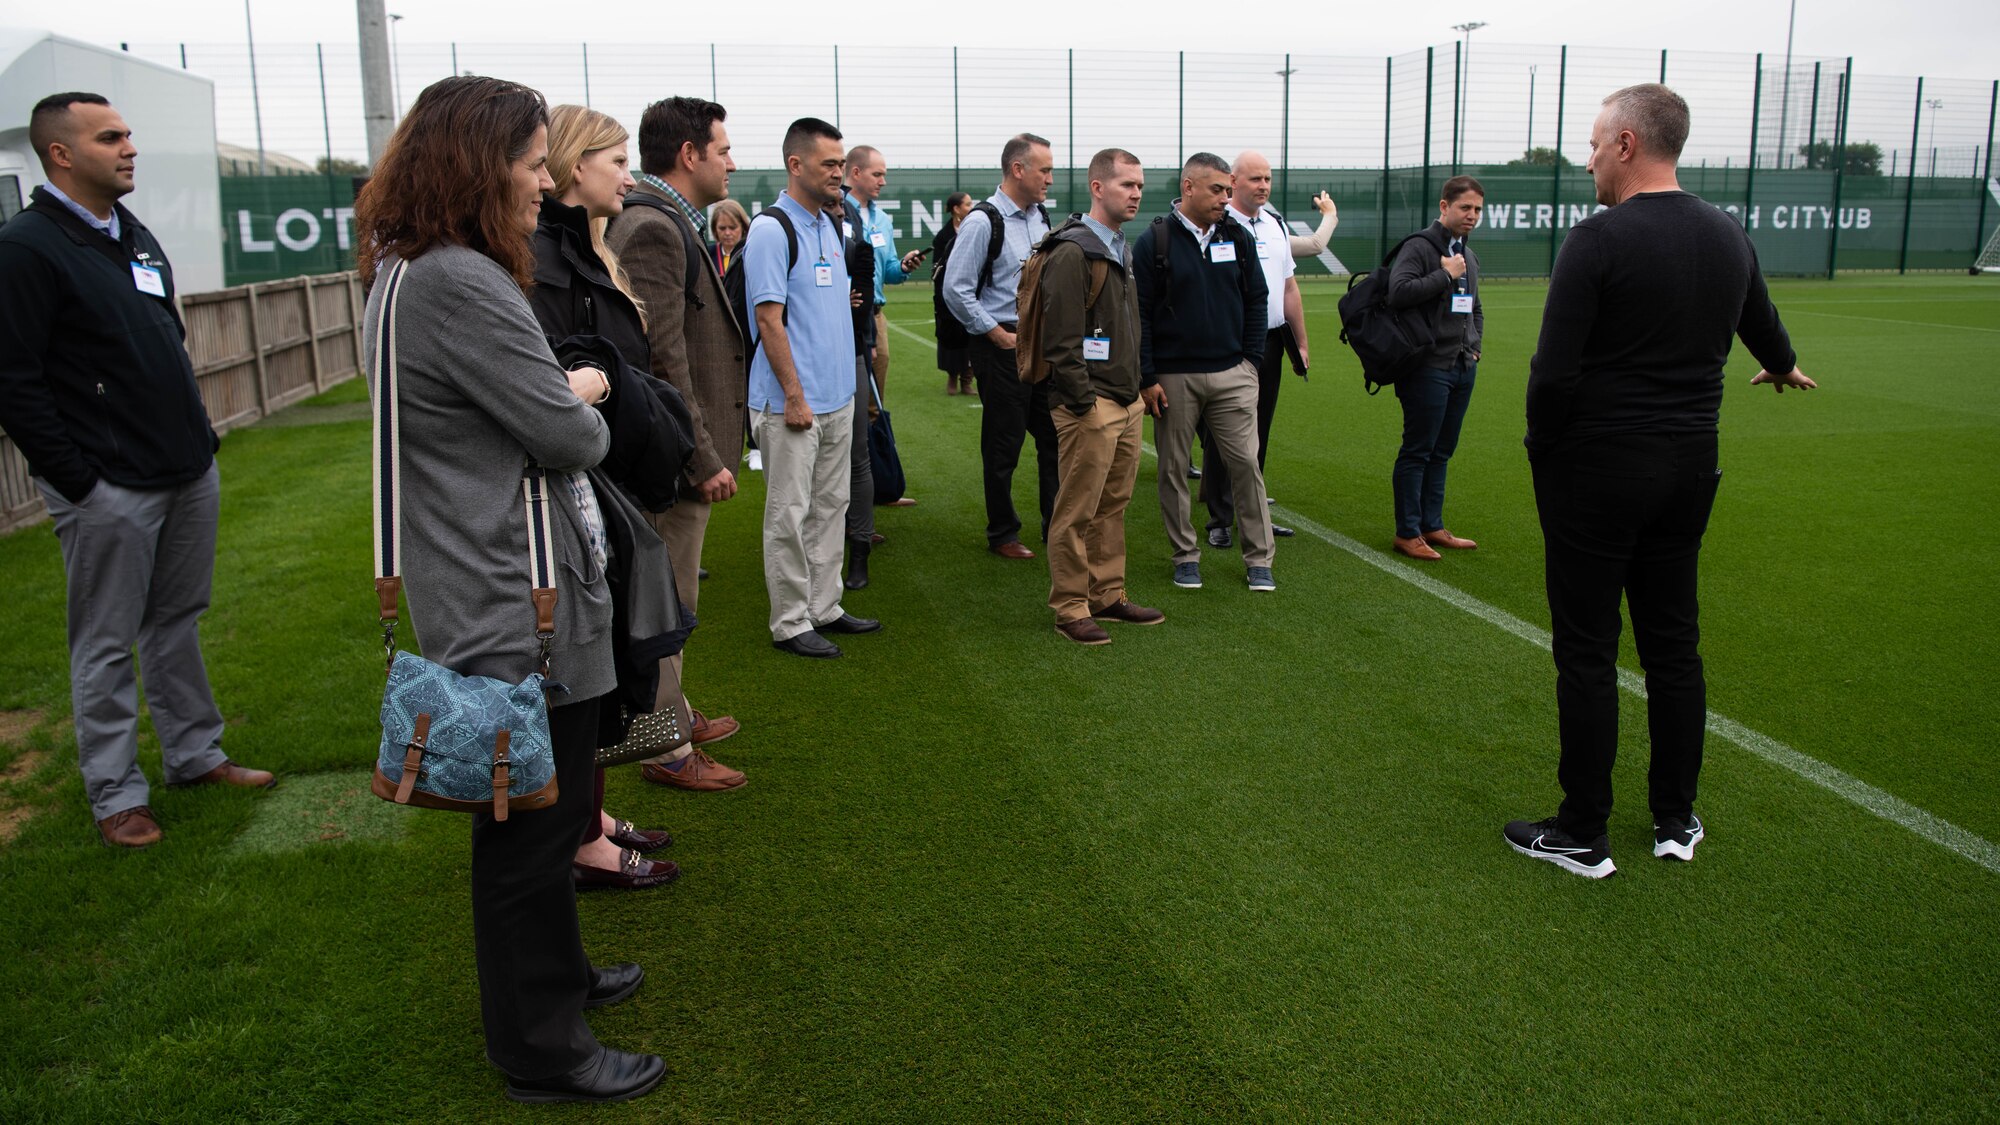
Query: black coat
x: 588, y: 319
x: 95, y: 380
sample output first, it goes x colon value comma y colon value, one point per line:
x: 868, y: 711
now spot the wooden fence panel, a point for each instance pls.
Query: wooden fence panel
x: 255, y: 349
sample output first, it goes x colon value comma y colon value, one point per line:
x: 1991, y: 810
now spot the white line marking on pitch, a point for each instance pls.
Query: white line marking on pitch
x: 1882, y: 803
x: 1893, y: 320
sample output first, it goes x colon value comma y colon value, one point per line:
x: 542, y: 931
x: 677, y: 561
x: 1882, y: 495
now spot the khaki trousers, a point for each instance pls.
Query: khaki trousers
x: 806, y: 478
x: 1227, y: 399
x: 683, y: 528
x: 1097, y: 466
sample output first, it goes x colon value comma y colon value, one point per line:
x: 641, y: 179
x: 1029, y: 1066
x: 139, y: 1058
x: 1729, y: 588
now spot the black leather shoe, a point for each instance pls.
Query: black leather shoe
x: 1282, y: 532
x: 810, y: 644
x: 642, y: 840
x: 848, y: 623
x: 1219, y: 538
x: 857, y: 564
x: 613, y: 983
x: 607, y: 1076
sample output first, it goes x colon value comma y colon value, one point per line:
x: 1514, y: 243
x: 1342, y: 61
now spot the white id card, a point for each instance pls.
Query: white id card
x: 1263, y: 249
x: 1221, y: 251
x: 846, y: 229
x: 1461, y: 302
x: 823, y: 276
x: 147, y: 280
x: 1097, y: 347
x: 878, y: 239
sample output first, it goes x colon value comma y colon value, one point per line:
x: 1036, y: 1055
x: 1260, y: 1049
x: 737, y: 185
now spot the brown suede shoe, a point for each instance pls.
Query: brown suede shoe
x: 1013, y: 549
x: 1416, y: 549
x: 229, y: 773
x: 1130, y: 614
x: 1084, y: 632
x: 696, y: 773
x: 132, y: 828
x: 902, y: 502
x: 1443, y: 537
x: 707, y: 730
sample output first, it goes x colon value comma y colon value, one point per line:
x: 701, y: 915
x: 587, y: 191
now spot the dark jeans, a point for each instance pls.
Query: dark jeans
x: 861, y: 465
x: 533, y: 974
x: 1214, y: 472
x: 1434, y: 402
x: 1011, y: 410
x: 1625, y: 515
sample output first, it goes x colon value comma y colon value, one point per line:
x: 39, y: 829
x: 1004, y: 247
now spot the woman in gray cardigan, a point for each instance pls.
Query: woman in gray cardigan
x: 456, y: 195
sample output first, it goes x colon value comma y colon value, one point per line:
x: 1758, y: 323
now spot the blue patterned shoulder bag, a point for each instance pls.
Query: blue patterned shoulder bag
x: 465, y: 743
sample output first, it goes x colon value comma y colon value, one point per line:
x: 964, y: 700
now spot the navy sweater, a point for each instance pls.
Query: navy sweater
x: 95, y: 380
x: 1210, y: 315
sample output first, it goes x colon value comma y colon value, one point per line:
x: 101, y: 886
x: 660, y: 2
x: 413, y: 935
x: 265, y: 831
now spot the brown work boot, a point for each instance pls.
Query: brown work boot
x: 707, y: 730
x: 1084, y: 632
x: 1122, y: 610
x: 132, y: 828
x: 697, y: 773
x: 229, y: 773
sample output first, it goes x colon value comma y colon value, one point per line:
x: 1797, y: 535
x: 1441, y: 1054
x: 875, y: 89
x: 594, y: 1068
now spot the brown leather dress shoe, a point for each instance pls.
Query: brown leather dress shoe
x: 229, y: 773
x: 1417, y: 549
x: 696, y: 773
x: 635, y: 873
x: 1013, y: 549
x: 1443, y: 537
x: 707, y: 730
x: 1130, y: 614
x: 132, y: 828
x: 1084, y: 631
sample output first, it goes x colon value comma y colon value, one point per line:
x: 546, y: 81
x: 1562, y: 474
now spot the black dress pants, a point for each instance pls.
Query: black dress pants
x: 1011, y: 410
x: 1215, y: 491
x: 1624, y: 515
x: 533, y: 974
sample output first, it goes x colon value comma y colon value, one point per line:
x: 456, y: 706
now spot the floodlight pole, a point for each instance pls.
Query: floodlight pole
x: 378, y: 111
x: 256, y: 102
x: 1465, y: 90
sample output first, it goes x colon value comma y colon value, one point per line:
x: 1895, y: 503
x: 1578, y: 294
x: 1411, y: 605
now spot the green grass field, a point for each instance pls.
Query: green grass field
x: 1244, y: 866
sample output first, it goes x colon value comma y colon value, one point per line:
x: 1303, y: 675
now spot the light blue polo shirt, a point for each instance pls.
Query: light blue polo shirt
x: 819, y: 321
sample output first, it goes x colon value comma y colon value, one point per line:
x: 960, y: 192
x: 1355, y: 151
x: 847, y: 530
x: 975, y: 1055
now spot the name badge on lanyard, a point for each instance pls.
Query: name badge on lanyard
x: 147, y: 279
x: 1264, y: 249
x: 1222, y: 250
x: 823, y: 276
x: 878, y: 240
x: 1461, y: 302
x: 1096, y: 347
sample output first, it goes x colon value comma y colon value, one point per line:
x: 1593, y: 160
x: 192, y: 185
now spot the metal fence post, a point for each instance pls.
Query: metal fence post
x: 1454, y: 108
x: 836, y: 85
x: 1430, y: 58
x: 714, y: 83
x: 1812, y: 119
x: 1388, y: 103
x: 957, y: 153
x: 1663, y: 66
x: 1285, y: 136
x: 1070, y: 142
x: 1843, y: 90
x: 1910, y: 181
x: 454, y: 59
x: 1555, y: 181
x: 1180, y: 111
x: 326, y: 125
x: 586, y: 75
x: 1986, y: 177
x: 1750, y: 169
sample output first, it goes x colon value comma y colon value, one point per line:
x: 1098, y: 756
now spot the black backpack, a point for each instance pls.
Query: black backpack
x: 996, y: 241
x: 1389, y: 342
x: 1163, y: 269
x: 734, y: 284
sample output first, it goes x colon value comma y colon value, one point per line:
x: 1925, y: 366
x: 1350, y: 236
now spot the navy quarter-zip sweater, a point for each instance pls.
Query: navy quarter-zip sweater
x: 95, y: 380
x: 1211, y: 315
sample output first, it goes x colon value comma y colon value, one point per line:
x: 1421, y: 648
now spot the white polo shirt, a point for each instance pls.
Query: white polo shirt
x: 1274, y: 253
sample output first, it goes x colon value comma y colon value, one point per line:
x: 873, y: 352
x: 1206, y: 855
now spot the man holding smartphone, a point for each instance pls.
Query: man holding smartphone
x: 867, y: 175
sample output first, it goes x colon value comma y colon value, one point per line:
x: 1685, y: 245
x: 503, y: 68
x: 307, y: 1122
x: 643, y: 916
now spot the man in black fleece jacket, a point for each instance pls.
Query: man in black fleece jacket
x: 1623, y: 394
x: 97, y: 391
x: 1201, y: 315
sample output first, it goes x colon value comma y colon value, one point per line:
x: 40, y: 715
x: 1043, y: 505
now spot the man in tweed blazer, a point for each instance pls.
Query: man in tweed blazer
x: 698, y: 346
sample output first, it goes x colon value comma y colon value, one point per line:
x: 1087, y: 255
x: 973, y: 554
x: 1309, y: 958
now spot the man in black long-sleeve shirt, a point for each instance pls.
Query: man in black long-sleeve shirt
x: 1623, y: 394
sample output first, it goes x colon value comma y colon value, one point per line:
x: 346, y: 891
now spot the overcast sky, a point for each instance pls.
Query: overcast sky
x: 1955, y: 38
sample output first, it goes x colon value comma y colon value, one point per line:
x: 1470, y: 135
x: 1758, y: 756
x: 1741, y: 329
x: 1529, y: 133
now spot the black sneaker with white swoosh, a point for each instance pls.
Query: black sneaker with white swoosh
x: 1674, y: 839
x: 1541, y: 839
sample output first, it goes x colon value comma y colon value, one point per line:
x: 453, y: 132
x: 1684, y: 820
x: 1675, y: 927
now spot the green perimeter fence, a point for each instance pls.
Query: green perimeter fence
x: 1804, y: 223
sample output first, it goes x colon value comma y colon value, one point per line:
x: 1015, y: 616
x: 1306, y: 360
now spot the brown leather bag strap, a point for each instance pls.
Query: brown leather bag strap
x: 413, y: 758
x: 501, y: 781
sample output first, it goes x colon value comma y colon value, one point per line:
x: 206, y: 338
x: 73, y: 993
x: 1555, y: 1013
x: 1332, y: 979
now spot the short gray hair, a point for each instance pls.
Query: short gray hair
x: 1207, y: 160
x: 1655, y: 115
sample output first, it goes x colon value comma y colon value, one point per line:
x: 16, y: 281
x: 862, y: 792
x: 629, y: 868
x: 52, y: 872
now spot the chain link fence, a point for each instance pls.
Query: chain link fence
x: 1828, y: 169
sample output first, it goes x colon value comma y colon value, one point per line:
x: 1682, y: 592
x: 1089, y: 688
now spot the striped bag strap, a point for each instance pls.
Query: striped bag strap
x: 386, y: 449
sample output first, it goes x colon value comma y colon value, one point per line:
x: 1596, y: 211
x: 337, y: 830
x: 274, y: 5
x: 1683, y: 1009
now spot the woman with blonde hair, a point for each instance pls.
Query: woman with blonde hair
x: 581, y: 290
x: 730, y: 222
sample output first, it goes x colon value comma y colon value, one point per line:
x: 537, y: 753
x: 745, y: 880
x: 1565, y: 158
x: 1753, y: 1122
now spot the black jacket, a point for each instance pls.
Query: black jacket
x: 588, y: 319
x: 1418, y: 279
x: 1202, y: 315
x: 95, y: 380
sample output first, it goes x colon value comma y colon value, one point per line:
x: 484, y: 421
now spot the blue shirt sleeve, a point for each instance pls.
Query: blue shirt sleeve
x: 961, y: 275
x: 766, y: 273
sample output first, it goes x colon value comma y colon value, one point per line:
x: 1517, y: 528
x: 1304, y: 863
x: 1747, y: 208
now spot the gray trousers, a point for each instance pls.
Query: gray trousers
x: 139, y: 563
x: 861, y: 478
x: 1227, y: 399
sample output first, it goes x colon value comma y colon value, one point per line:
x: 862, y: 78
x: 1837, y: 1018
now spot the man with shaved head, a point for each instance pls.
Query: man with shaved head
x: 97, y: 391
x: 1249, y: 204
x: 1623, y: 396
